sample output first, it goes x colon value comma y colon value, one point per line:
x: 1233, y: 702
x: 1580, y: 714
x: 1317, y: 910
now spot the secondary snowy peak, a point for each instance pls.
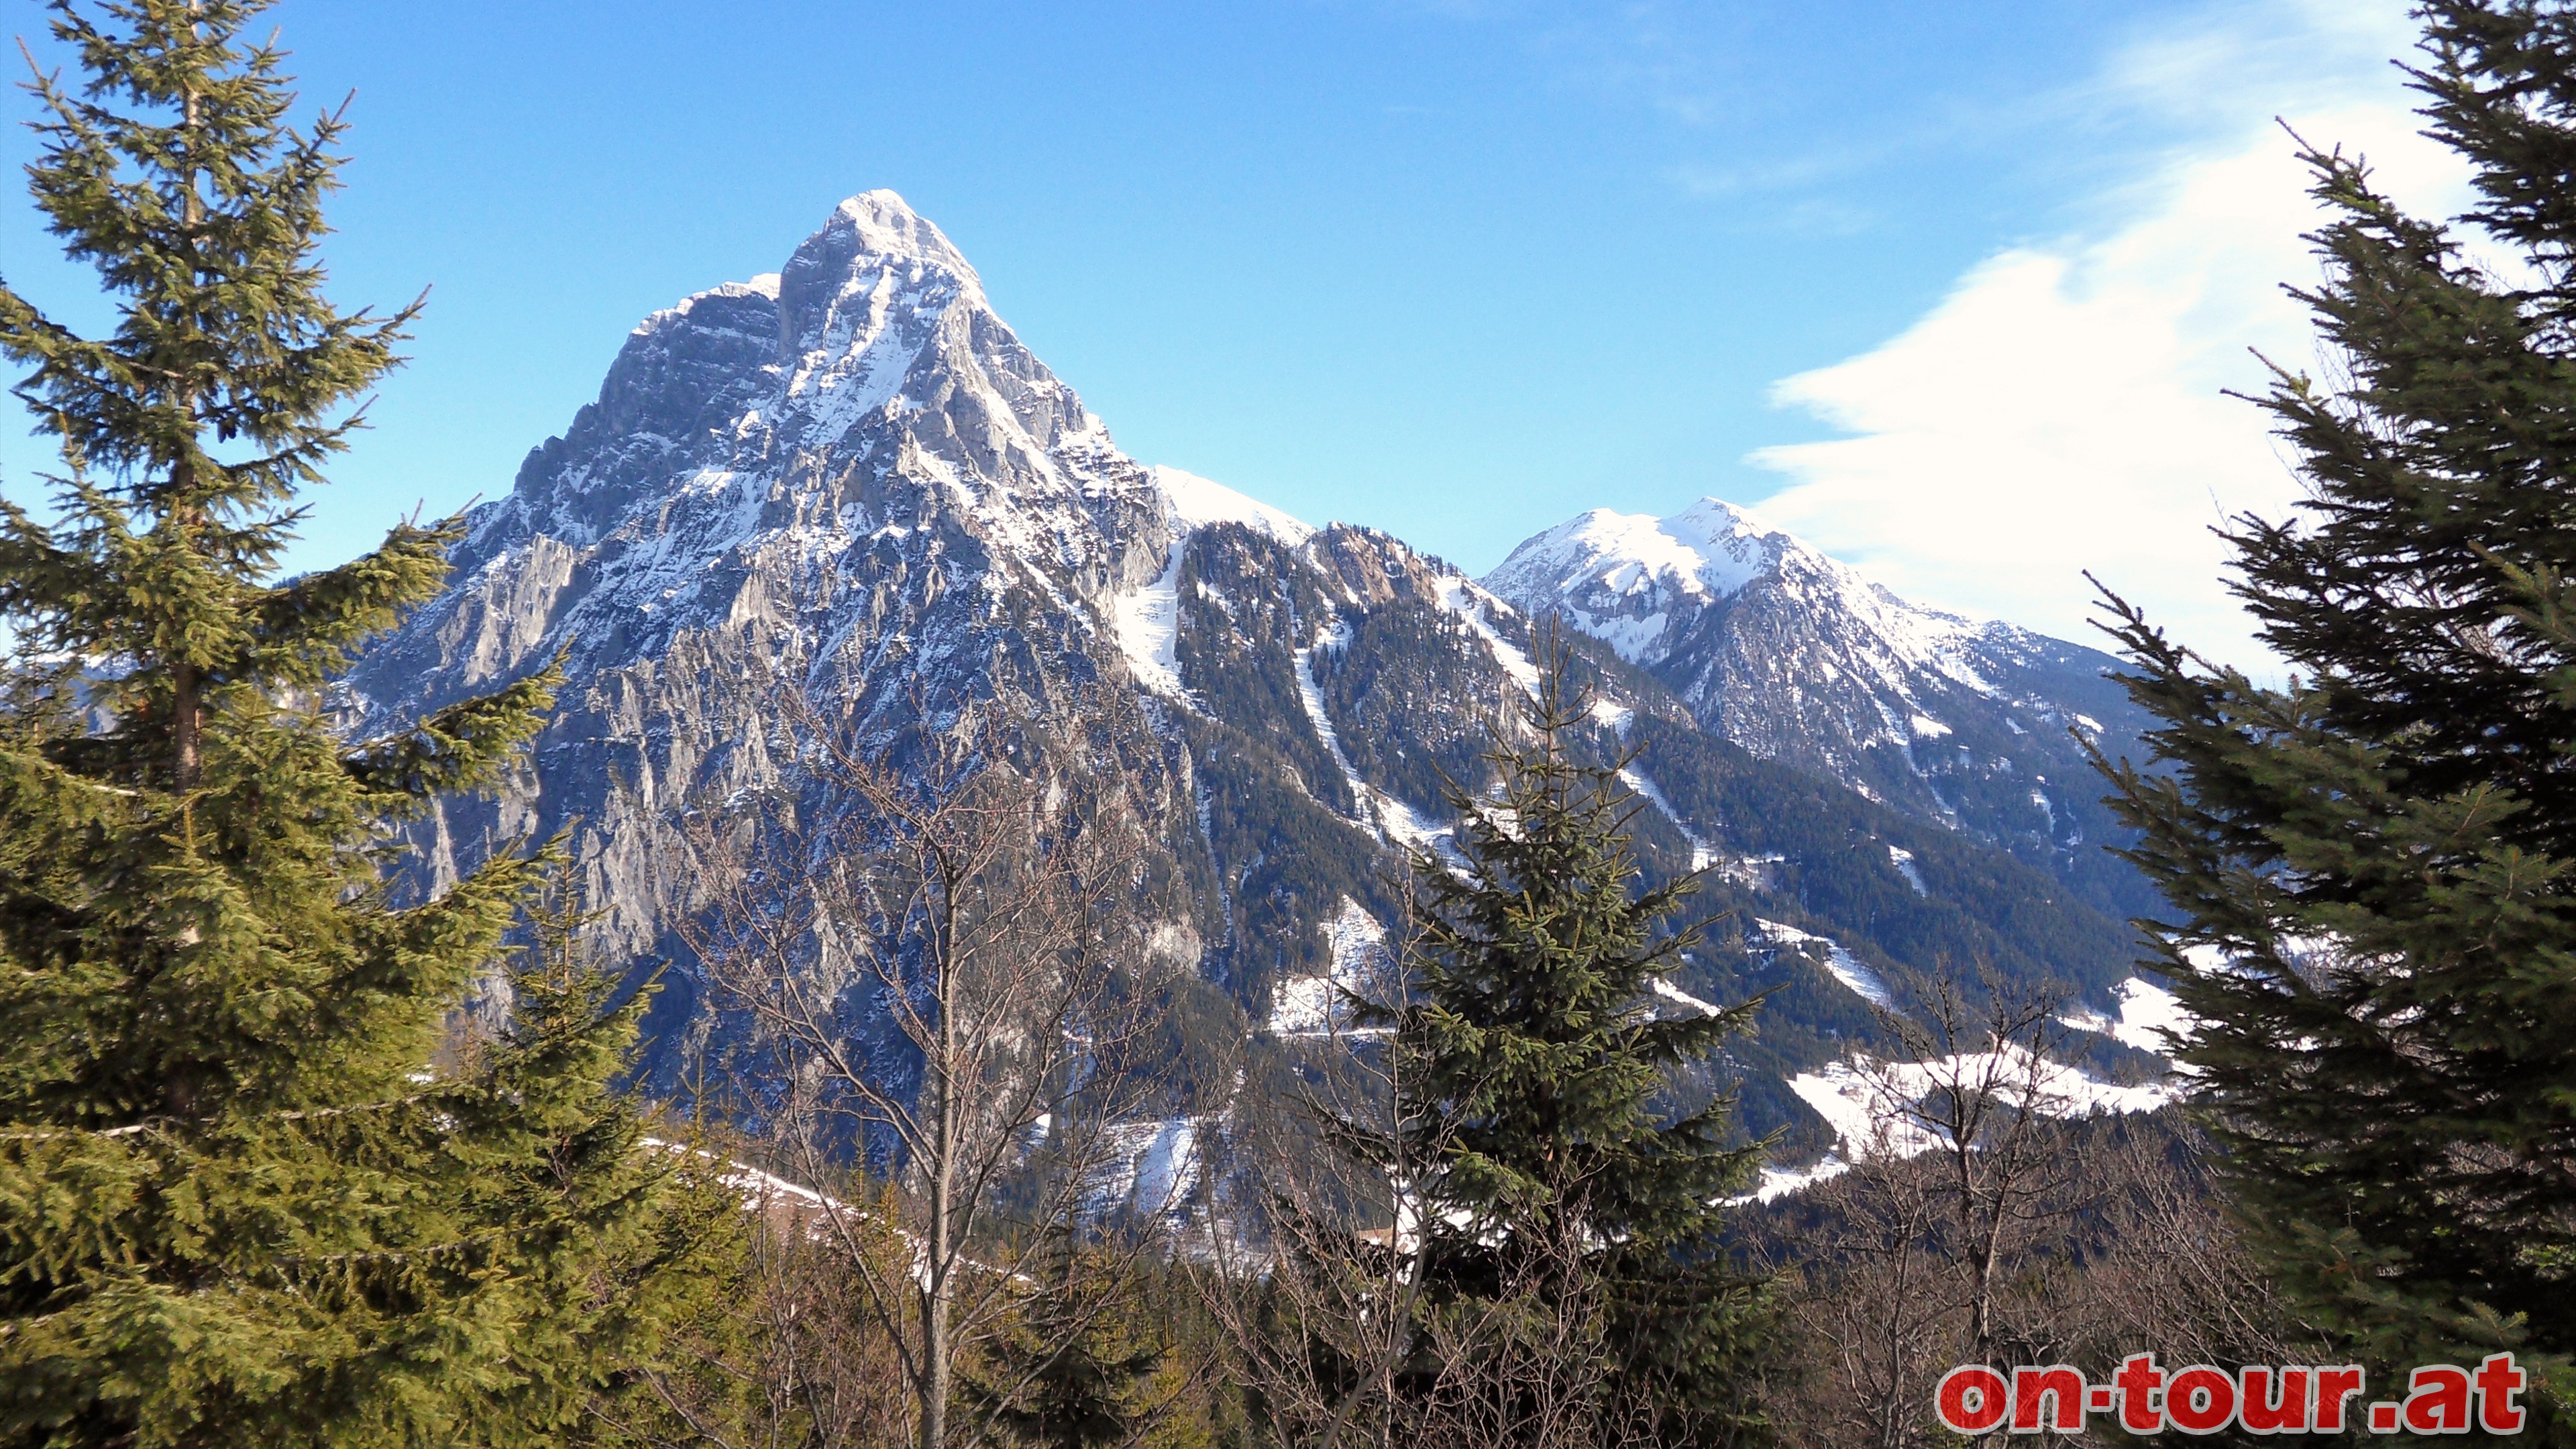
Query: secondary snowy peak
x: 1712, y: 548
x: 1639, y: 582
x: 1800, y: 657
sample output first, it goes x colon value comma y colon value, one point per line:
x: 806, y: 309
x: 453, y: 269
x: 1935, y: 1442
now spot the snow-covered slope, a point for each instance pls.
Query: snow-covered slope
x: 1801, y: 658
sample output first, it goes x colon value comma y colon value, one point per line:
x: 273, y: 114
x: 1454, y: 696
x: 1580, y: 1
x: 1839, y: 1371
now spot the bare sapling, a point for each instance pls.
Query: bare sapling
x: 1916, y: 1254
x: 1984, y: 1086
x: 936, y: 957
x: 1316, y: 1272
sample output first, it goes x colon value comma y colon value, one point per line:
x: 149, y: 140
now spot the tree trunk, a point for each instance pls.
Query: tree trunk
x: 186, y: 726
x: 186, y: 687
x: 938, y: 1289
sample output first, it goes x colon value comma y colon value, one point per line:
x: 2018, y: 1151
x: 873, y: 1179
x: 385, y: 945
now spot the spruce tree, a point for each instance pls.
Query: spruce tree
x: 240, y: 1200
x: 1071, y: 1371
x: 633, y: 1253
x: 1535, y: 1071
x: 2373, y: 867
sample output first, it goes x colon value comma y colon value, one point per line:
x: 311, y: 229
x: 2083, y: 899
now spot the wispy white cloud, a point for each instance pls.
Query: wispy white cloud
x: 2062, y: 408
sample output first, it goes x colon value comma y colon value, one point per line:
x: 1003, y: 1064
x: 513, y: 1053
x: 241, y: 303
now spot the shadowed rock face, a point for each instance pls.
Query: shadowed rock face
x: 849, y: 482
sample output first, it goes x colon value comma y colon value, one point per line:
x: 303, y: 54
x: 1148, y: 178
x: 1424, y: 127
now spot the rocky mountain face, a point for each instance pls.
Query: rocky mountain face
x: 849, y: 485
x: 1978, y: 727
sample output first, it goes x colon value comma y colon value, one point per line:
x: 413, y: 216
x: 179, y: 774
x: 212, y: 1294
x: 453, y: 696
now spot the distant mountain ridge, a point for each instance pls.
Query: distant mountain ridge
x: 851, y: 480
x: 1801, y: 658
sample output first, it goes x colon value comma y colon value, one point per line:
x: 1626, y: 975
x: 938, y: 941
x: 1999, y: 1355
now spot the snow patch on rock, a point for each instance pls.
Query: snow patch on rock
x: 1903, y: 860
x: 1148, y: 625
x: 1195, y: 502
x: 1313, y: 1005
x: 1846, y: 967
x: 2150, y: 1017
x: 1154, y: 1167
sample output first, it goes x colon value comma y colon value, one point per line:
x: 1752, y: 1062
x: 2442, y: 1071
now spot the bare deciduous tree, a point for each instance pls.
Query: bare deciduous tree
x: 936, y: 956
x: 2164, y: 1263
x: 1315, y: 1275
x: 1874, y: 1301
x: 1907, y: 1259
x: 1985, y: 1088
x: 1989, y: 1218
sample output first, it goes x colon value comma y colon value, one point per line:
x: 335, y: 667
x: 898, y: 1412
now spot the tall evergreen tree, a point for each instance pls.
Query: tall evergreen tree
x: 1535, y: 1075
x: 633, y: 1254
x: 1072, y: 1370
x: 2373, y: 868
x: 238, y: 1202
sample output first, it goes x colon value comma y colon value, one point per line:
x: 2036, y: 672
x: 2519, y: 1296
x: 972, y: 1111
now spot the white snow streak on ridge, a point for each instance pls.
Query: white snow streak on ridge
x: 1311, y: 695
x: 1676, y: 995
x: 1703, y: 855
x: 1147, y: 621
x: 1460, y: 596
x: 1383, y: 815
x: 1903, y: 860
x: 1618, y: 717
x: 759, y: 1189
x: 1845, y: 967
x: 1311, y: 1005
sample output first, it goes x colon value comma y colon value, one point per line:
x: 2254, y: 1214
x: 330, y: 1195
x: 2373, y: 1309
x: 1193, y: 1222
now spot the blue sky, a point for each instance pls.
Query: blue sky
x: 1916, y: 279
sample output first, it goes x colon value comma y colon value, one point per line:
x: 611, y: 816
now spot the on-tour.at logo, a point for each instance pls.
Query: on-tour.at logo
x: 2298, y: 1399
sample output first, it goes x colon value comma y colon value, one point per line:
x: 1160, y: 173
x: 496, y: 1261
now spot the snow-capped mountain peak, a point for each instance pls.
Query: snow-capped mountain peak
x: 847, y: 483
x: 1800, y: 657
x: 882, y: 224
x: 1635, y: 580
